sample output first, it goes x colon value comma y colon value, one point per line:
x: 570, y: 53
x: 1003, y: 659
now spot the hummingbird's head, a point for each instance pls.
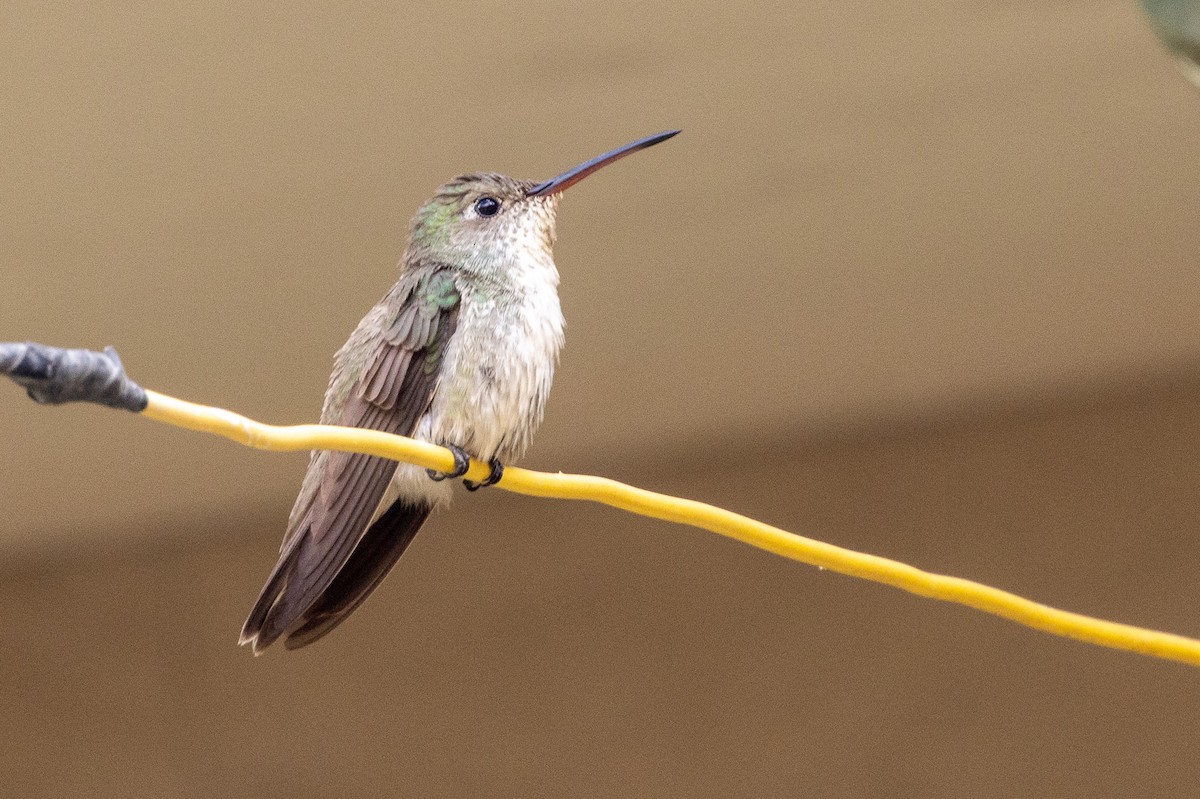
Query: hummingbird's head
x: 485, y: 221
x: 484, y: 218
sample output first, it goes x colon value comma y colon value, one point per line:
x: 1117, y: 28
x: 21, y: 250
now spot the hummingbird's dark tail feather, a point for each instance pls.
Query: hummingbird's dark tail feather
x: 372, y: 558
x: 375, y: 555
x: 277, y: 613
x: 254, y: 630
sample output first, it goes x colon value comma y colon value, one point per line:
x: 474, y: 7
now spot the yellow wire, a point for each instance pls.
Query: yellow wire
x: 683, y: 511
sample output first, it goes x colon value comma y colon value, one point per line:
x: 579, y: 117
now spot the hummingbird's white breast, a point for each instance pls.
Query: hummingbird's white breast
x: 497, y: 369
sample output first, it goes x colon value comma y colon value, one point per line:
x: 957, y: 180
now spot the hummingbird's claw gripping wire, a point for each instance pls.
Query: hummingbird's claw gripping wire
x: 52, y: 375
x: 462, y: 462
x: 493, y: 477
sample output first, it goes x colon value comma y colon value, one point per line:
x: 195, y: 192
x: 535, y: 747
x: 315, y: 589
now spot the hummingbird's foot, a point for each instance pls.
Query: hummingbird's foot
x: 462, y: 462
x: 492, y: 478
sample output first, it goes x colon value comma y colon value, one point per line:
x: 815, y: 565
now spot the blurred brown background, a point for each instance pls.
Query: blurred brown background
x: 918, y: 279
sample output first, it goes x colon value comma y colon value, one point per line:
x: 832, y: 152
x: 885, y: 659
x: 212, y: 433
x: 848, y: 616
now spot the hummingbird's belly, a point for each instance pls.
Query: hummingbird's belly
x: 492, y: 385
x: 497, y: 376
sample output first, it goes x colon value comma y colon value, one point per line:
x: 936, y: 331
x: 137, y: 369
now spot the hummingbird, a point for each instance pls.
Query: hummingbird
x: 461, y: 353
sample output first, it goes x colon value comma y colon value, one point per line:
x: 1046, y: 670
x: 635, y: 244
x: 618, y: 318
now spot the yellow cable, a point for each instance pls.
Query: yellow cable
x: 683, y: 511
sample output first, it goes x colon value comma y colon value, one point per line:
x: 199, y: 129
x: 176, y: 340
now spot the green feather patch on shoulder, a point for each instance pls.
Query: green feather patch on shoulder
x: 438, y: 290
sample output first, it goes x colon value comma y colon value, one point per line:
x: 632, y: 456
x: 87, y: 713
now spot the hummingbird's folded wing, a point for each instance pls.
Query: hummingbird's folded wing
x: 342, y: 490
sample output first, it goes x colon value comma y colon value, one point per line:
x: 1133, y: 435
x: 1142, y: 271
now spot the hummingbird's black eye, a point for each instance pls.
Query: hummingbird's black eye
x: 487, y: 206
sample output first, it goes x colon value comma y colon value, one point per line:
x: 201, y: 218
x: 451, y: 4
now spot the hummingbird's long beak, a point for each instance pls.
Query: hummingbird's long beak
x: 573, y: 176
